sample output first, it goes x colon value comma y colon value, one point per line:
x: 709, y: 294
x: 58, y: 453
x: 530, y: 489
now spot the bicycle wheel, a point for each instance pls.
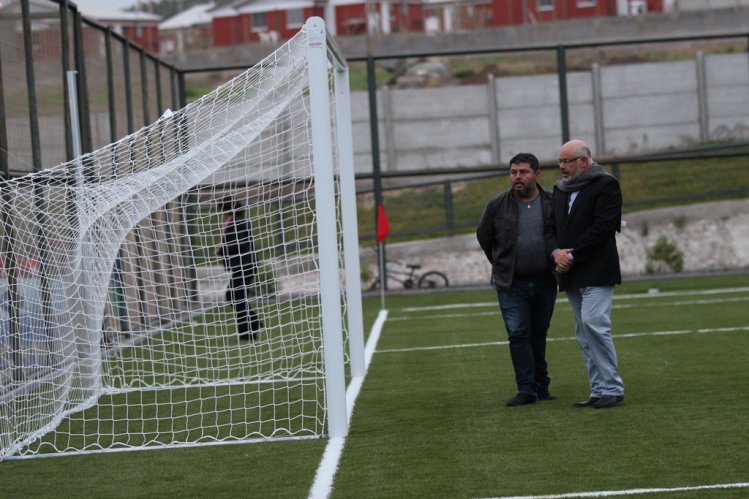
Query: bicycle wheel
x: 433, y: 279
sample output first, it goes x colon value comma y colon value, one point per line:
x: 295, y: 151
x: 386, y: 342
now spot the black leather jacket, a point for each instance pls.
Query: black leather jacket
x: 497, y: 236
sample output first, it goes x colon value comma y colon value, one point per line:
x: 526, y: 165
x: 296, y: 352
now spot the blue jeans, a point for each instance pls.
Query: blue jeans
x: 591, y: 307
x: 526, y: 309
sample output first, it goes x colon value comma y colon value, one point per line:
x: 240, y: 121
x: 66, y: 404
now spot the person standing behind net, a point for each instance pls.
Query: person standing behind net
x: 237, y: 251
x: 511, y: 233
x: 587, y: 213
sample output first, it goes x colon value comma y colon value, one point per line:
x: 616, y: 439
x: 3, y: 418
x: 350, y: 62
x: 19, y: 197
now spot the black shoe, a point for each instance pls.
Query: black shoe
x: 522, y: 399
x: 607, y: 401
x: 545, y: 395
x: 587, y: 403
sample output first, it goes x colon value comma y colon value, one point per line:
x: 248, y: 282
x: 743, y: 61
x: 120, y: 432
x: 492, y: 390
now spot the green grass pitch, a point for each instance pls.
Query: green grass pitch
x: 430, y: 420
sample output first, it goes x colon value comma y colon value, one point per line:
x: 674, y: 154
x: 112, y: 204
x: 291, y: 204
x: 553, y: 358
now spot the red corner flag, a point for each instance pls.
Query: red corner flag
x: 383, y: 226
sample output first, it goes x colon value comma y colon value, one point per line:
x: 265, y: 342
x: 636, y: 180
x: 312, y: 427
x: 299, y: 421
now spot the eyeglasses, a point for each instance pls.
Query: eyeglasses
x: 568, y: 161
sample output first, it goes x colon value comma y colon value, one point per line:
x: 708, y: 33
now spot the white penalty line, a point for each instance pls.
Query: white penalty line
x: 571, y: 338
x: 326, y: 471
x: 631, y: 492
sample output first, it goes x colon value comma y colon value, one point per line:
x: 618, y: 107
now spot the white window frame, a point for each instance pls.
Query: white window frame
x: 296, y: 20
x: 541, y: 5
x: 255, y: 16
x: 583, y: 4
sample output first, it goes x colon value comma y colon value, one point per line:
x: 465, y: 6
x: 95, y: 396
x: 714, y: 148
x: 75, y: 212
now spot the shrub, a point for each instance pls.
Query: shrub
x: 664, y: 256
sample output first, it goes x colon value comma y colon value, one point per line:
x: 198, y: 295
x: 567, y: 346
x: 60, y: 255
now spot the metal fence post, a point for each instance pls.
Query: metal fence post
x: 83, y: 96
x: 144, y: 86
x: 491, y: 101
x: 65, y: 49
x: 449, y: 217
x: 36, y: 148
x: 564, y: 110
x: 703, y: 116
x: 598, y: 125
x: 110, y: 85
x: 4, y: 167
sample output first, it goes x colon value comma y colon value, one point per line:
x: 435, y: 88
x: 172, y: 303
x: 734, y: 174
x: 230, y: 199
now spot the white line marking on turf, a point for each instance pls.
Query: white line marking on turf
x: 632, y: 296
x: 572, y: 338
x: 615, y: 306
x: 328, y: 466
x: 630, y: 492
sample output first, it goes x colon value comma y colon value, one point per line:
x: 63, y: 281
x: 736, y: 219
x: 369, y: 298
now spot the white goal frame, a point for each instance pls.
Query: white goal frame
x: 81, y: 299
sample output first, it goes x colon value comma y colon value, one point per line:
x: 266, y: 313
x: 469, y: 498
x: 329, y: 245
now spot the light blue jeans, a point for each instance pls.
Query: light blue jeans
x: 591, y: 307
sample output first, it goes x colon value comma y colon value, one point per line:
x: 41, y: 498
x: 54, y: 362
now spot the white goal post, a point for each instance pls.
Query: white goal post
x: 121, y: 302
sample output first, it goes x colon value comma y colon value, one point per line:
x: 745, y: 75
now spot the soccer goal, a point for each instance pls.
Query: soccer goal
x: 115, y: 329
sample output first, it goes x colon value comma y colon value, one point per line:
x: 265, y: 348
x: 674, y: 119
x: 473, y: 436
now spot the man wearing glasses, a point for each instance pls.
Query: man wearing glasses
x: 586, y: 214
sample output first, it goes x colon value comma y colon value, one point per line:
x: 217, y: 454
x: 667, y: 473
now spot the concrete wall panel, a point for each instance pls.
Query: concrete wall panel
x: 519, y: 123
x: 527, y: 91
x: 645, y: 108
x: 436, y: 103
x: 545, y: 147
x: 442, y: 134
x: 729, y: 129
x: 636, y: 140
x: 727, y: 69
x: 653, y: 110
x: 729, y: 101
x: 416, y: 160
x: 634, y: 80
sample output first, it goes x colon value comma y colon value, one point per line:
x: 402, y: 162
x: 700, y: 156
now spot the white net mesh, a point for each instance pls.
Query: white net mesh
x: 115, y: 329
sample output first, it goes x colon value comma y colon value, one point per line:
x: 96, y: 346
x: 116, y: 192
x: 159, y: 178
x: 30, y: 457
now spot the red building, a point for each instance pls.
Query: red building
x: 141, y: 28
x: 248, y: 21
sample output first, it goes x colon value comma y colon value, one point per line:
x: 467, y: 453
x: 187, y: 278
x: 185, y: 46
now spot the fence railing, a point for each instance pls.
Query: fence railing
x: 452, y: 204
x: 121, y: 87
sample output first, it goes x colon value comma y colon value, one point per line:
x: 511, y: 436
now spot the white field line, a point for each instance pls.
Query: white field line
x: 631, y: 492
x: 615, y: 306
x: 572, y: 338
x: 632, y: 296
x: 328, y: 466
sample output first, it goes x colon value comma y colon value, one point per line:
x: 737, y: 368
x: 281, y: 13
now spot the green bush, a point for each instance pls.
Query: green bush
x: 664, y: 256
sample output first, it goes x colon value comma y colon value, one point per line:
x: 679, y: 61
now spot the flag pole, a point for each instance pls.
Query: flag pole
x: 383, y: 229
x: 383, y: 274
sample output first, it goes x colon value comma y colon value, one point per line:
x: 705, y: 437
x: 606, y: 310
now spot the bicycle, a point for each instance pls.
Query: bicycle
x: 410, y: 279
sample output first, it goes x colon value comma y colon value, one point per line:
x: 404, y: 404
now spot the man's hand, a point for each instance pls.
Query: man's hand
x: 563, y: 259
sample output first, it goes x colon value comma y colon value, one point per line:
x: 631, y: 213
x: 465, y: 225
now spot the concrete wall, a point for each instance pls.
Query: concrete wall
x: 619, y: 110
x: 701, y: 5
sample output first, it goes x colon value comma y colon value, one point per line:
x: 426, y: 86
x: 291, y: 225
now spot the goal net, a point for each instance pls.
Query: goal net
x: 117, y: 329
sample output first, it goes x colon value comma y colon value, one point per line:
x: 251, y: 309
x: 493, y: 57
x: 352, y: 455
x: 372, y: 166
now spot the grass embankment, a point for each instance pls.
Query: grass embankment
x: 416, y: 213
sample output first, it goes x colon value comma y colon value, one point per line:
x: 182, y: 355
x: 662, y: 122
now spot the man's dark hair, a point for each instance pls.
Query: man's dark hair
x: 526, y: 157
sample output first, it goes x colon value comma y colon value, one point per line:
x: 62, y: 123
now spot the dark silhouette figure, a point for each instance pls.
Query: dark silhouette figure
x: 237, y: 250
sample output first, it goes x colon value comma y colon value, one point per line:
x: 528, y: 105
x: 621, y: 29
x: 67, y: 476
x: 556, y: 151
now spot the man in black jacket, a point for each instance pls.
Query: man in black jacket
x: 237, y: 251
x: 511, y: 233
x: 587, y: 208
